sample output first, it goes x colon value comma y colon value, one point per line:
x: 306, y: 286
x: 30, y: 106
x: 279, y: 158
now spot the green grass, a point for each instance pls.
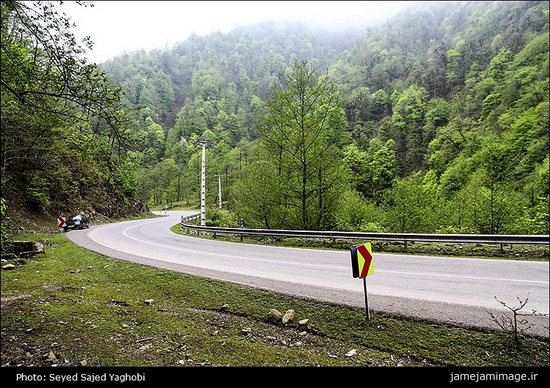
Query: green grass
x: 91, y: 309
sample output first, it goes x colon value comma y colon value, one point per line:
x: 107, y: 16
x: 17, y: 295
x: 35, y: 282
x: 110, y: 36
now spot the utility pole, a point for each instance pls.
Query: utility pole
x: 219, y: 191
x: 203, y: 143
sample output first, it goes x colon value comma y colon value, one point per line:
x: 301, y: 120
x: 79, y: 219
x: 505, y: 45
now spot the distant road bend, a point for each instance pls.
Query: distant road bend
x: 451, y: 290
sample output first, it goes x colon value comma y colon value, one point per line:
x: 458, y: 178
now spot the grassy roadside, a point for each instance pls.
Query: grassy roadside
x: 71, y: 307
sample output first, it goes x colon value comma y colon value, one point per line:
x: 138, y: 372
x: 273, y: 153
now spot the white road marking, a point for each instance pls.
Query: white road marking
x: 310, y: 264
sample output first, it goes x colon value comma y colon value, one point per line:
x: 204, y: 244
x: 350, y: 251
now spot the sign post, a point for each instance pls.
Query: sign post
x: 366, y: 299
x: 362, y: 266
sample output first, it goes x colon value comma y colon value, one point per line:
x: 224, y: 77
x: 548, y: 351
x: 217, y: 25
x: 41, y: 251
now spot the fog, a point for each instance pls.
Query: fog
x: 116, y: 27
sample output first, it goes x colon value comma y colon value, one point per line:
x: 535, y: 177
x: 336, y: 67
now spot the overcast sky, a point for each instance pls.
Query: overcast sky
x: 125, y: 26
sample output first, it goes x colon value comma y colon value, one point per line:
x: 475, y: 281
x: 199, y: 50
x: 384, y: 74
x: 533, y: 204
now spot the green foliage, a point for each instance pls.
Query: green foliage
x: 36, y: 193
x: 302, y: 134
x: 256, y: 202
x: 163, y: 184
x: 435, y: 121
x: 63, y: 130
x: 71, y: 284
x: 451, y: 93
x: 411, y: 206
x: 489, y: 206
x: 5, y: 238
x: 356, y: 214
x: 384, y: 169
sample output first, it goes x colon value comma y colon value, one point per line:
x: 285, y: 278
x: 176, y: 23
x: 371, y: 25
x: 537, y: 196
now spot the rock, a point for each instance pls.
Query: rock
x: 8, y: 256
x: 149, y: 302
x: 118, y: 303
x: 20, y: 247
x: 8, y: 266
x: 274, y: 316
x: 38, y: 247
x: 288, y: 317
x: 51, y: 357
x: 351, y: 352
x: 246, y: 331
x: 303, y: 323
x: 224, y: 307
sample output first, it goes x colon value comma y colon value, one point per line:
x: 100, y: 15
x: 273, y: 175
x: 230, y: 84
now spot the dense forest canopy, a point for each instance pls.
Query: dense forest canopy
x: 64, y: 132
x: 435, y: 122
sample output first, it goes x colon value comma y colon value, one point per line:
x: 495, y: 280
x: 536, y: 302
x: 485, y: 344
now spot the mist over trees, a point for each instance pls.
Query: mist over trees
x: 435, y: 122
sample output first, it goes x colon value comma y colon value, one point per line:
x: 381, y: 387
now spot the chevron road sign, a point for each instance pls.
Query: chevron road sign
x: 362, y: 265
x: 361, y: 260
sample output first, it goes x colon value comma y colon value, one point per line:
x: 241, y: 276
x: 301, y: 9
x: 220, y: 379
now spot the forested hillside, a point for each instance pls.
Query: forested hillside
x: 64, y: 134
x: 435, y: 122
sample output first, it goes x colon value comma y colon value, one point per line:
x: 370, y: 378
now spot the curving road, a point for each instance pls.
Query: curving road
x: 452, y: 290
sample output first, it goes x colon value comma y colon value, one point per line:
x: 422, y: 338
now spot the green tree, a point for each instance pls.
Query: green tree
x: 356, y: 213
x: 409, y: 119
x: 357, y: 162
x: 384, y: 169
x: 411, y: 205
x: 162, y: 183
x: 43, y: 67
x: 490, y: 208
x: 256, y: 197
x: 51, y: 98
x: 302, y: 133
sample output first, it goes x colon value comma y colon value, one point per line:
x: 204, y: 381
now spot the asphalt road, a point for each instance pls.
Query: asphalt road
x: 460, y: 291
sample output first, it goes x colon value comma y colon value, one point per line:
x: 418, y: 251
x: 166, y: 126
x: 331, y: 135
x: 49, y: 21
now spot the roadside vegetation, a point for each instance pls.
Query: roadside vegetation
x: 71, y: 307
x: 435, y: 122
x: 447, y: 133
x: 226, y: 218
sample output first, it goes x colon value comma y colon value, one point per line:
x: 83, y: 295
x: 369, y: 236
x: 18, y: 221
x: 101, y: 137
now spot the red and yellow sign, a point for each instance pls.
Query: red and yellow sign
x: 361, y: 260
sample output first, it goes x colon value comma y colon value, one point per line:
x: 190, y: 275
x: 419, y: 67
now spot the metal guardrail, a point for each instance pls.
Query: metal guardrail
x: 406, y: 237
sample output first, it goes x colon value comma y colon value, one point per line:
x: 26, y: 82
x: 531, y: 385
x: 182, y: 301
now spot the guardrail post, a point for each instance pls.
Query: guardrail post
x: 405, y: 237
